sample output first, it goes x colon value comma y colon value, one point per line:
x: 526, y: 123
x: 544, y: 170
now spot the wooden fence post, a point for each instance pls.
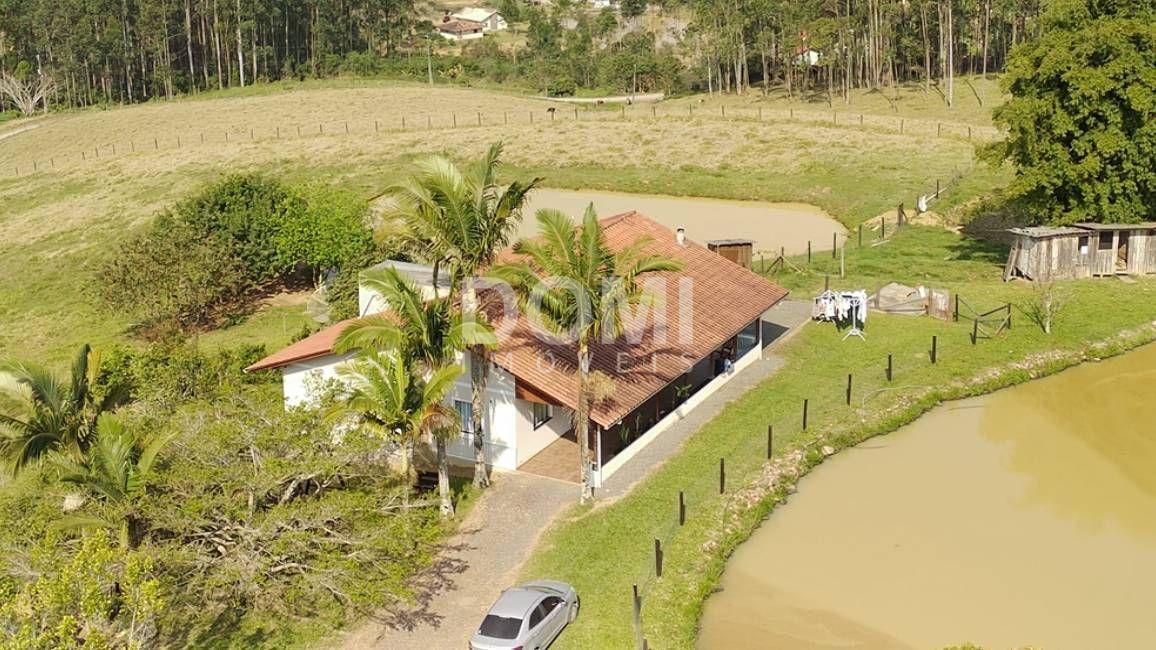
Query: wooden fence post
x: 883, y: 229
x: 770, y: 440
x: 636, y: 615
x: 889, y: 368
x: 834, y: 244
x: 939, y: 130
x: 848, y: 389
x: 479, y: 118
x: 722, y: 475
x: 955, y: 316
x: 974, y: 331
x: 575, y: 114
x: 681, y: 508
x: 827, y: 282
x: 860, y: 235
x: 808, y: 251
x: 806, y: 404
x: 934, y: 349
x: 657, y: 558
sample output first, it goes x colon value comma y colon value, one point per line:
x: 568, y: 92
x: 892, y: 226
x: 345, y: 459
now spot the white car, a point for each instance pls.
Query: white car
x: 528, y: 617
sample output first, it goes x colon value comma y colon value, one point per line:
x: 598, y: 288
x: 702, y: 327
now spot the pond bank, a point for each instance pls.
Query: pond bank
x: 929, y: 536
x: 772, y: 226
x: 679, y: 601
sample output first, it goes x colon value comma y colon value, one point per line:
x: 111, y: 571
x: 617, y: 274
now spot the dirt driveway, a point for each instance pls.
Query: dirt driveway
x: 478, y: 563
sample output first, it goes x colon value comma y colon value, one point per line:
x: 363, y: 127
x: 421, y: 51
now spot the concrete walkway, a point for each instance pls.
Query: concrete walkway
x: 481, y: 560
x: 778, y: 324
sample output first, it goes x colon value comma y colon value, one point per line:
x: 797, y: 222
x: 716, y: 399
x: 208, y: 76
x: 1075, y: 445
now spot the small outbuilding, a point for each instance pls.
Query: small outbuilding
x: 739, y: 251
x: 1083, y: 250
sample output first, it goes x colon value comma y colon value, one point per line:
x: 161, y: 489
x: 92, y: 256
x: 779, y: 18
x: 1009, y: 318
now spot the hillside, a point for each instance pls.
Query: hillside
x: 99, y: 174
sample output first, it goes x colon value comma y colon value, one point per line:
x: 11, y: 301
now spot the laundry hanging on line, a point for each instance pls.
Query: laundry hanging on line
x: 841, y: 307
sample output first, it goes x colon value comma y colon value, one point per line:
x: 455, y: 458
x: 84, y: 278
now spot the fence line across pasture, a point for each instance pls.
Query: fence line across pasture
x: 176, y: 140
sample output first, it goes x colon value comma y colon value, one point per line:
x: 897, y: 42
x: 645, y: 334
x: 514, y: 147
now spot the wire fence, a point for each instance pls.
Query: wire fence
x: 183, y: 138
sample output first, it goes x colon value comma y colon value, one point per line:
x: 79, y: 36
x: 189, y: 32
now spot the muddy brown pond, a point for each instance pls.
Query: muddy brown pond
x: 1027, y: 517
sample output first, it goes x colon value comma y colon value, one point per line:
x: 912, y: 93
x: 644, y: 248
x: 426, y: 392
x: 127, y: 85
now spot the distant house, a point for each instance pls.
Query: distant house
x: 807, y: 56
x: 1082, y: 251
x: 461, y: 30
x: 703, y: 326
x: 490, y: 19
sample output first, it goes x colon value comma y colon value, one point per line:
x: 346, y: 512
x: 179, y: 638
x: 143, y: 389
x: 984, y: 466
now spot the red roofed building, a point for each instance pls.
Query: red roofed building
x: 703, y: 325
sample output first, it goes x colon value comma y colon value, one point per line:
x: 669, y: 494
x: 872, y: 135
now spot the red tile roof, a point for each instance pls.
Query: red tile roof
x: 316, y: 345
x: 723, y: 299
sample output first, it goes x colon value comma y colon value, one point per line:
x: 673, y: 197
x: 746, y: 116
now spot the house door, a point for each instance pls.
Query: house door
x: 1122, y: 252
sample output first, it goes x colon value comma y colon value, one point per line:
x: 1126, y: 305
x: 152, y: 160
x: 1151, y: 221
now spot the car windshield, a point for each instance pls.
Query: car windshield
x: 498, y: 627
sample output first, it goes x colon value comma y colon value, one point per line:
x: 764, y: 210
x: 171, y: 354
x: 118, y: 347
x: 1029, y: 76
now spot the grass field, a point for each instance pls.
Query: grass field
x: 605, y: 550
x: 102, y: 173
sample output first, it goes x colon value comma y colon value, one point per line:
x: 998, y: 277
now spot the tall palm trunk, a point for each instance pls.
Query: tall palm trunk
x: 447, y: 502
x: 479, y: 373
x: 582, y: 421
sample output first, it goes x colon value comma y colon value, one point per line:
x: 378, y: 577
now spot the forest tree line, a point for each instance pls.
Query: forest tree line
x: 123, y: 51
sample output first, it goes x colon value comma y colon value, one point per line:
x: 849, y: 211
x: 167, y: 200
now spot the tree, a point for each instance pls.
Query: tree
x: 69, y: 601
x: 573, y: 282
x: 41, y: 413
x: 27, y: 93
x: 1081, y: 120
x: 386, y: 393
x: 632, y: 8
x: 115, y: 469
x: 462, y: 219
x: 430, y: 332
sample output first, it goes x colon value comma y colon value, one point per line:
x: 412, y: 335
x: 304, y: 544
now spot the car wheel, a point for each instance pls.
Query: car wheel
x: 574, y: 608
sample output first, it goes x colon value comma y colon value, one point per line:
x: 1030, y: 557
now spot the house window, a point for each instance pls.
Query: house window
x: 748, y: 339
x: 542, y: 414
x: 465, y: 414
x: 1105, y: 241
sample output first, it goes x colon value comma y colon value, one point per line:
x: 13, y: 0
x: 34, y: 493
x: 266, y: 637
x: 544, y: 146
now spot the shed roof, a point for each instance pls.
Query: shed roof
x: 1147, y: 225
x: 1045, y: 232
x: 460, y: 27
x: 729, y: 242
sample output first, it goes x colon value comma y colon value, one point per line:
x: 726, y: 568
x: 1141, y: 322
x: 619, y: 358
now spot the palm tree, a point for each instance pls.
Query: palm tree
x: 386, y: 392
x: 462, y: 219
x: 591, y: 285
x: 429, y: 332
x: 115, y: 469
x: 41, y: 413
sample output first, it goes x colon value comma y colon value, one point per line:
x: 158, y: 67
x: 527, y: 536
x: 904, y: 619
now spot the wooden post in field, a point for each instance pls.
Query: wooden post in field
x: 890, y: 368
x: 770, y: 440
x: 531, y: 117
x: 346, y: 129
x: 849, y: 389
x: 955, y: 315
x: 132, y: 144
x: 636, y: 616
x: 479, y: 118
x: 505, y: 117
x: 455, y: 114
x: 969, y: 134
x: 376, y: 128
x: 834, y: 118
x: 83, y: 156
x: 937, y: 188
x: 575, y: 114
x: 939, y: 130
x: 724, y: 111
x: 806, y: 403
x: 974, y: 331
x: 860, y: 235
x: 681, y: 508
x: 624, y: 113
x: 934, y: 349
x: 860, y: 119
x: 722, y: 475
x: 808, y: 251
x: 657, y: 558
x: 901, y: 126
x: 298, y: 133
x: 792, y: 112
x: 834, y: 244
x: 156, y: 144
x: 883, y: 228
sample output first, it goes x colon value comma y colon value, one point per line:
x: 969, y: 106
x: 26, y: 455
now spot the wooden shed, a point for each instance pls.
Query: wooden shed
x: 739, y: 251
x: 1082, y: 251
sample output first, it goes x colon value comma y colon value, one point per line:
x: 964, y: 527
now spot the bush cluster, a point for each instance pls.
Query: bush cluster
x: 201, y: 262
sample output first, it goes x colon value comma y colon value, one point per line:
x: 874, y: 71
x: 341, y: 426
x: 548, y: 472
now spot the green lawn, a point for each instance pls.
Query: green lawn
x: 605, y: 550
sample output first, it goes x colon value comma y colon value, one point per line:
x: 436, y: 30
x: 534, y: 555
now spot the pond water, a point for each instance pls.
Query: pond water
x: 1027, y: 517
x: 770, y: 225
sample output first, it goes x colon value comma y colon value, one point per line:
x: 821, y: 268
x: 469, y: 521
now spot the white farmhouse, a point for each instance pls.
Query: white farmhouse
x: 703, y: 326
x: 489, y: 19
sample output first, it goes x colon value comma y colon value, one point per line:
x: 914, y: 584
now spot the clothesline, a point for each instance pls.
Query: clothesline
x: 843, y: 307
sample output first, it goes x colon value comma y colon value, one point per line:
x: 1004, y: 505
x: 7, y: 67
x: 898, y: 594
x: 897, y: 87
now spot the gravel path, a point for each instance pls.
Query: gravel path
x: 478, y: 563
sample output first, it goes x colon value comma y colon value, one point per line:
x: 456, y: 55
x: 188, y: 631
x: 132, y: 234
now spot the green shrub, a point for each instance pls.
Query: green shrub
x: 172, y: 373
x: 201, y: 263
x: 171, y: 277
